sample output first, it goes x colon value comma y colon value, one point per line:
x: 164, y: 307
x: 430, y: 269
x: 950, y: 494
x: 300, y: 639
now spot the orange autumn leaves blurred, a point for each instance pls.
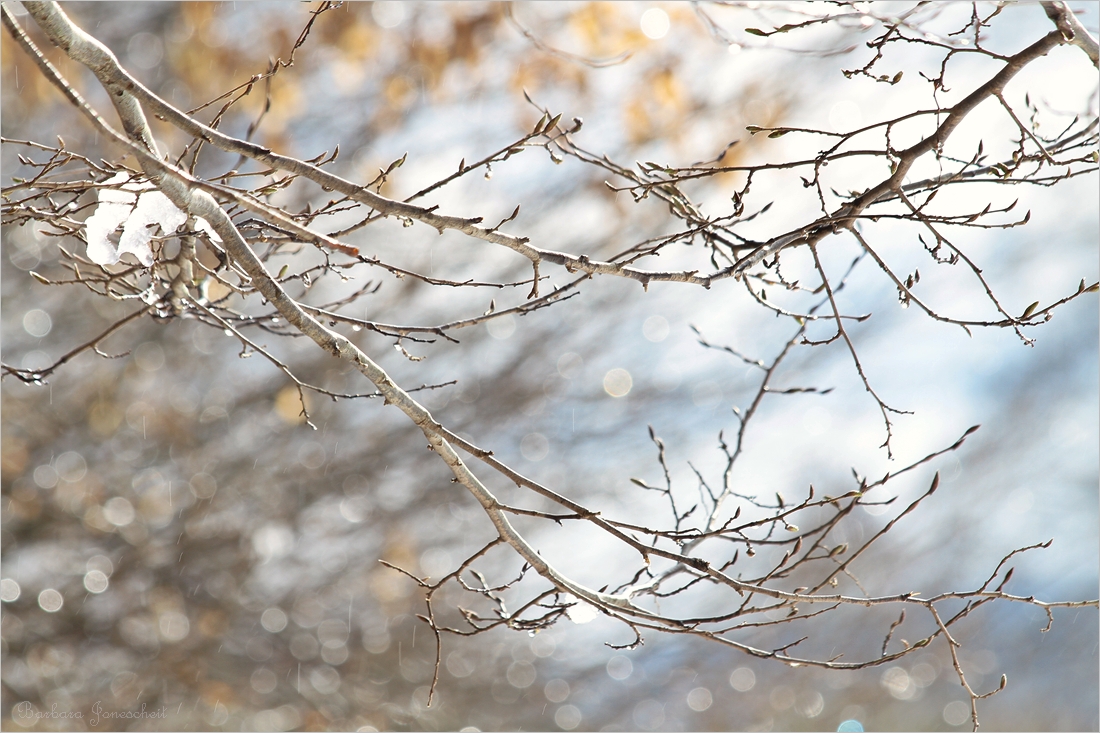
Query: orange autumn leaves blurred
x: 433, y: 54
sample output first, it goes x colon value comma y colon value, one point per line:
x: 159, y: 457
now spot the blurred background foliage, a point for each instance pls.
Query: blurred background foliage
x: 216, y: 557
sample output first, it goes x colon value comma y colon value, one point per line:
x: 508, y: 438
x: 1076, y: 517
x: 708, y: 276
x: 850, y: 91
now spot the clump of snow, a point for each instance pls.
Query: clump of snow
x: 142, y: 208
x: 581, y: 612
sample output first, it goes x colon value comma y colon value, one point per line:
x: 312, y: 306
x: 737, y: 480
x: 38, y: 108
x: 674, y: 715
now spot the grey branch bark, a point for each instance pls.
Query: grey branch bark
x: 1073, y: 30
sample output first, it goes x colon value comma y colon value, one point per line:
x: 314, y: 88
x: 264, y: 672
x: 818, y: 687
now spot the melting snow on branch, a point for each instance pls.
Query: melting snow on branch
x: 141, y: 207
x: 581, y: 612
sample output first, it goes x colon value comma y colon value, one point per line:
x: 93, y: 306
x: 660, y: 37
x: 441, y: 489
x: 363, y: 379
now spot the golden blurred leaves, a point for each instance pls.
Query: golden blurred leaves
x: 606, y: 29
x: 13, y: 457
x: 213, y: 623
x: 659, y: 109
x: 104, y: 418
x: 215, y: 692
x: 388, y: 585
x: 288, y: 405
x: 354, y: 36
x: 25, y: 504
